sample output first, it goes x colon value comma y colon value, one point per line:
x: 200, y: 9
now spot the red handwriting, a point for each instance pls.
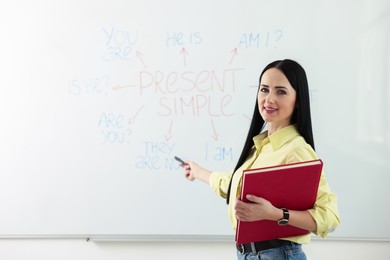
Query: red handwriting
x: 197, y: 105
x: 161, y: 83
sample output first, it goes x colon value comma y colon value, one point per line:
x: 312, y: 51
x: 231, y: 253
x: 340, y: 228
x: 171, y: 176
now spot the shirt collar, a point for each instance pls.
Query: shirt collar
x: 277, y: 139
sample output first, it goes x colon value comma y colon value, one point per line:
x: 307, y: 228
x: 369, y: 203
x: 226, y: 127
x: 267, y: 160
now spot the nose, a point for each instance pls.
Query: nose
x: 270, y: 98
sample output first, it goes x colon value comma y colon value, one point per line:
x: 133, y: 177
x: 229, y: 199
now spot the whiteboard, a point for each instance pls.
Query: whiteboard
x: 98, y: 97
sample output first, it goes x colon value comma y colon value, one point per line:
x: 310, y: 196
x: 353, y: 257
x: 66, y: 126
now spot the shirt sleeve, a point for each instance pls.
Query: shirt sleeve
x: 219, y: 183
x: 324, y: 211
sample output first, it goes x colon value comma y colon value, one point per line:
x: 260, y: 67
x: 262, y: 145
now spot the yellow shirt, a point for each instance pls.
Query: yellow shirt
x: 282, y: 147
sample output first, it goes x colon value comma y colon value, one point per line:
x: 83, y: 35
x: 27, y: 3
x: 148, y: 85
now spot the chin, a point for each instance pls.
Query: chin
x: 267, y: 119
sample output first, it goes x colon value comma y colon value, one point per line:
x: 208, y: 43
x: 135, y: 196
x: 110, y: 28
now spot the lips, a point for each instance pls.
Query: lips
x: 269, y: 110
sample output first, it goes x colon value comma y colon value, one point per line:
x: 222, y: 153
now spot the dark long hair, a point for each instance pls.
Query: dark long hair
x: 301, y: 117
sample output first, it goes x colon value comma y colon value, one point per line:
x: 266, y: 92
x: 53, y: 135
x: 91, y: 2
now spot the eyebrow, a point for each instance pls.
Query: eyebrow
x: 275, y: 86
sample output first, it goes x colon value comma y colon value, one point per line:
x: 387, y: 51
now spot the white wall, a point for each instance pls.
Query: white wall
x: 356, y: 32
x: 80, y: 249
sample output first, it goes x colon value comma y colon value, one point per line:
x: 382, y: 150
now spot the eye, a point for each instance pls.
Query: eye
x: 282, y: 92
x: 264, y: 89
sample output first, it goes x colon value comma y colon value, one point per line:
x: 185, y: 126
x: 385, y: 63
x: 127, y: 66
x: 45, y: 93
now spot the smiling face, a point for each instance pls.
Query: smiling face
x: 276, y: 99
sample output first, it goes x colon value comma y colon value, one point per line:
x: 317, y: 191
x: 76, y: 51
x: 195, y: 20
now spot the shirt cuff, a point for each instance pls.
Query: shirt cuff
x: 219, y: 183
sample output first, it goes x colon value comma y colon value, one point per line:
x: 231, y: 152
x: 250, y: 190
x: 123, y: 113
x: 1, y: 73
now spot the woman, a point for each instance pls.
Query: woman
x: 280, y: 133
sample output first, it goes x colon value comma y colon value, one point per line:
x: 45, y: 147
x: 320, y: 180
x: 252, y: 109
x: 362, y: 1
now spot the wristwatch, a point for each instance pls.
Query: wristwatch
x: 286, y: 216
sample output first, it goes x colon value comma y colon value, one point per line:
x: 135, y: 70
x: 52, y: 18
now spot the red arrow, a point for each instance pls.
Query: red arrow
x: 184, y: 52
x: 118, y: 87
x: 139, y: 56
x: 215, y: 134
x: 168, y: 136
x: 234, y: 54
x: 247, y: 117
x: 132, y: 119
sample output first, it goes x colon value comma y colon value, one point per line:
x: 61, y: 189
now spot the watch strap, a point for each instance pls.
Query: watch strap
x: 286, y: 217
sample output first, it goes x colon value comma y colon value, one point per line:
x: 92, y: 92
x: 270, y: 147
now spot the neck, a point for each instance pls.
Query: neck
x: 273, y: 128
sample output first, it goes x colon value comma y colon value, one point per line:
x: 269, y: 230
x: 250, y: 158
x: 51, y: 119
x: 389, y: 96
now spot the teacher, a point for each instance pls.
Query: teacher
x: 280, y: 133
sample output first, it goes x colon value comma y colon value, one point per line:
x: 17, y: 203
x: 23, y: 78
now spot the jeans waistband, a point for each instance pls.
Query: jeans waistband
x: 256, y: 247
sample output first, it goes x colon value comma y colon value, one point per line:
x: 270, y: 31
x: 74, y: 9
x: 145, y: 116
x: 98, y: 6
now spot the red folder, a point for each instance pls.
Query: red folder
x: 292, y: 186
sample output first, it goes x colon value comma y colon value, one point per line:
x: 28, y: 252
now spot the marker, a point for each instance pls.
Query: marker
x: 180, y: 160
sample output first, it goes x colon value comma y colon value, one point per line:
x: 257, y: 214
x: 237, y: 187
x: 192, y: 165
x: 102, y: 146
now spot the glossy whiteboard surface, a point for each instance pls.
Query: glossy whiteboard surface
x: 98, y: 97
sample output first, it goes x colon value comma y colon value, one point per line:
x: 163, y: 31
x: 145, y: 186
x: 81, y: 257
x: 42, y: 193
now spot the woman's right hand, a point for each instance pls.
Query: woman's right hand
x: 193, y: 171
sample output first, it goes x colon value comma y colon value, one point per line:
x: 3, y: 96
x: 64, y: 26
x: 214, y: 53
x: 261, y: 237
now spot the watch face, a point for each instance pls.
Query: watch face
x: 283, y: 222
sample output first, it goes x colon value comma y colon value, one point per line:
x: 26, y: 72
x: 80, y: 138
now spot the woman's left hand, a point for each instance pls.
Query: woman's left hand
x: 257, y: 209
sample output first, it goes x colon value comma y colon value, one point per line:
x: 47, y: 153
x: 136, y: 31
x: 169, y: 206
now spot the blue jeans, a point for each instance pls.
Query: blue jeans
x: 290, y: 252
